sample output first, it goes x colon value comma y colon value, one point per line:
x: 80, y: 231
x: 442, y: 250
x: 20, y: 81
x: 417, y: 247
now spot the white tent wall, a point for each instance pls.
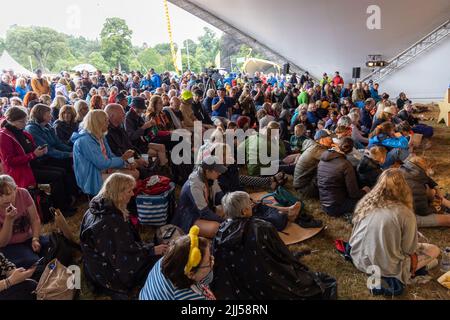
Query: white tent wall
x: 332, y: 35
x: 425, y: 79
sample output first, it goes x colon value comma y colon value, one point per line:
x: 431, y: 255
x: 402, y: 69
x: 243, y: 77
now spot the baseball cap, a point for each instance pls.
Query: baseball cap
x: 322, y: 134
x: 138, y: 103
x: 212, y: 163
x: 186, y: 95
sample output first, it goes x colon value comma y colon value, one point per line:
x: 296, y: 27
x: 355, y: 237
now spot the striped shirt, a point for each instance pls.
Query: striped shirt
x: 158, y: 287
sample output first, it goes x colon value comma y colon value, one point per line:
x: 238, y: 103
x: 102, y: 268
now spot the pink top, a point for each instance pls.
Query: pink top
x: 22, y: 225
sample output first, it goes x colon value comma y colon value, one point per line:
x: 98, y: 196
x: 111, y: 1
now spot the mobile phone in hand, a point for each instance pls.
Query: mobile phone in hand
x: 37, y: 262
x: 43, y: 147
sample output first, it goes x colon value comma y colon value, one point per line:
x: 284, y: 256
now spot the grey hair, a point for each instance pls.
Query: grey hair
x: 355, y: 117
x: 234, y: 203
x: 345, y: 121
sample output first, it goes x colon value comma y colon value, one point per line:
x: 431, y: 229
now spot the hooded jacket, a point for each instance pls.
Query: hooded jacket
x: 46, y: 135
x: 193, y: 204
x: 389, y: 142
x: 253, y: 263
x: 65, y: 130
x: 417, y: 180
x: 306, y: 166
x: 89, y: 161
x: 368, y: 171
x: 114, y: 256
x: 336, y: 180
x: 15, y: 161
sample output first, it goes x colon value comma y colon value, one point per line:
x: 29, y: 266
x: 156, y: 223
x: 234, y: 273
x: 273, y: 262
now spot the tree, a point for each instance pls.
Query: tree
x: 81, y: 47
x: 2, y: 45
x: 97, y: 60
x: 116, y: 42
x: 192, y: 46
x: 45, y: 45
x: 210, y: 44
x: 150, y: 58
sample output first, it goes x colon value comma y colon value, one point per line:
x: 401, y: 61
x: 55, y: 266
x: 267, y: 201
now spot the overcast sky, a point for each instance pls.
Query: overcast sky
x: 86, y: 17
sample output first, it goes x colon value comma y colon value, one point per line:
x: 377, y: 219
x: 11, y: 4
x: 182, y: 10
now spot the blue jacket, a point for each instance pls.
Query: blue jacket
x: 374, y: 94
x: 389, y: 142
x: 156, y: 79
x: 22, y: 92
x: 47, y: 135
x: 147, y: 84
x: 89, y: 162
x: 312, y: 117
x: 366, y: 119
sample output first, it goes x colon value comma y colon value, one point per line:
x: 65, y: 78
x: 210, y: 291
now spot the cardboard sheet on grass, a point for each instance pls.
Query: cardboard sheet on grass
x: 293, y: 233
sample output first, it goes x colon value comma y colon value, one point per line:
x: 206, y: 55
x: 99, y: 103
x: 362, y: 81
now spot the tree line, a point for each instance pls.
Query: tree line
x: 54, y: 51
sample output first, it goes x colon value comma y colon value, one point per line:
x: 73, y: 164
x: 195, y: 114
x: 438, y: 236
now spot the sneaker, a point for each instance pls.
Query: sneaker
x: 308, y: 222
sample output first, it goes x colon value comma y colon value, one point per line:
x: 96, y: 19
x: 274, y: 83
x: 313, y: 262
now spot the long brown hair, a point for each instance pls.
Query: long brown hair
x: 176, y: 258
x: 96, y: 102
x: 385, y: 127
x: 390, y: 189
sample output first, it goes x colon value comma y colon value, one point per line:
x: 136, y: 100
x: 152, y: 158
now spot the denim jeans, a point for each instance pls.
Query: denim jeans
x: 22, y: 255
x: 395, y: 155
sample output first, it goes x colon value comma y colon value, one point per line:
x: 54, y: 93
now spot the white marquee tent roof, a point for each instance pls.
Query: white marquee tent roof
x: 332, y: 35
x: 8, y: 63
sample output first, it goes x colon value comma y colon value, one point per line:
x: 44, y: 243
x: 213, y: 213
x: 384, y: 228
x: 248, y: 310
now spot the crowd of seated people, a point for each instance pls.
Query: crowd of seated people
x: 94, y: 136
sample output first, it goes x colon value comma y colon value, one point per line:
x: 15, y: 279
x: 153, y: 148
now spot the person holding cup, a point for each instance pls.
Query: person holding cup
x: 94, y: 161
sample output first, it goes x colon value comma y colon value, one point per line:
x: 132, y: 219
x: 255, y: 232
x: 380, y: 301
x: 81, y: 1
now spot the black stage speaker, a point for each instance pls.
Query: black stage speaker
x: 286, y: 68
x: 356, y: 73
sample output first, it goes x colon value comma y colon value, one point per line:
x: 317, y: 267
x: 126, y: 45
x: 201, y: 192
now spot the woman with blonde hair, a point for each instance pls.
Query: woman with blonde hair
x: 61, y: 87
x: 56, y: 106
x: 93, y: 160
x: 385, y: 231
x: 82, y: 109
x: 116, y: 260
x: 46, y: 99
x: 21, y: 87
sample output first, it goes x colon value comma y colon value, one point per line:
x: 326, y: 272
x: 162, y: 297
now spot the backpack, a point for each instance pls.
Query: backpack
x: 283, y: 197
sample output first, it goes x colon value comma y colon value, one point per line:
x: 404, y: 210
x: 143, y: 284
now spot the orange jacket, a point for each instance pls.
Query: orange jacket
x: 39, y: 88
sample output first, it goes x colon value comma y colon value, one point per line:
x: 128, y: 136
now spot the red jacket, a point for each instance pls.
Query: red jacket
x: 16, y: 162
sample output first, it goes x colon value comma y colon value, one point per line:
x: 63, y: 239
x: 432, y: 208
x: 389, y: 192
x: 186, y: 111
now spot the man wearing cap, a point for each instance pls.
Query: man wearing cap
x: 305, y: 175
x: 122, y: 99
x: 221, y: 106
x: 200, y: 199
x: 135, y: 125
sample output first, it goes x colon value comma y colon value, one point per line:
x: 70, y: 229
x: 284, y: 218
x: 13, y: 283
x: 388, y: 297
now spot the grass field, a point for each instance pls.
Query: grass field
x: 351, y: 282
